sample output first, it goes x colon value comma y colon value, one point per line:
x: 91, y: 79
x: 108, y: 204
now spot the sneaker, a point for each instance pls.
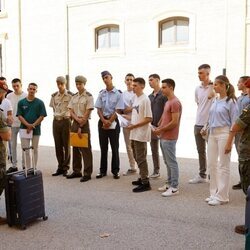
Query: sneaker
x: 171, y: 192
x: 129, y: 171
x: 197, y: 180
x: 164, y: 188
x: 237, y: 186
x: 142, y: 188
x: 216, y: 202
x: 210, y: 198
x: 154, y: 175
x: 240, y: 229
x: 11, y: 170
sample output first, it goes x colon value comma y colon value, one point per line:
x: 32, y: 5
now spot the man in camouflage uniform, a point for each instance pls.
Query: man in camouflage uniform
x: 242, y: 125
x: 5, y: 134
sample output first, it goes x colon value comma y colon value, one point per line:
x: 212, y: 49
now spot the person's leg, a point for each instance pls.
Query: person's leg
x: 58, y: 134
x: 77, y: 160
x: 35, y: 142
x: 212, y: 153
x: 154, y: 144
x: 126, y: 134
x: 25, y: 143
x: 65, y: 144
x: 201, y: 149
x: 87, y: 158
x: 163, y: 149
x: 223, y: 176
x: 14, y: 133
x: 114, y: 143
x: 103, y: 141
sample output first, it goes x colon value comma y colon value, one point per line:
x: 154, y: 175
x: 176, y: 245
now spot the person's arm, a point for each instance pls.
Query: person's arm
x: 141, y: 123
x: 234, y: 130
x: 172, y: 124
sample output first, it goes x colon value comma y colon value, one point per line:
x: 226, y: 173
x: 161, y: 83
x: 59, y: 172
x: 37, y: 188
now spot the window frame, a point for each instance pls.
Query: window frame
x: 174, y: 19
x: 109, y: 27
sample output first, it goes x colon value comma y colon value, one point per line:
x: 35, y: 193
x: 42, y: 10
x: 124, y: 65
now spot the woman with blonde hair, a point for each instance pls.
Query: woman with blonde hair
x: 222, y: 115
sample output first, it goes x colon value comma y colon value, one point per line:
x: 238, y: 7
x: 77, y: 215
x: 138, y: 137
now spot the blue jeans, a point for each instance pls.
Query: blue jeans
x: 168, y: 152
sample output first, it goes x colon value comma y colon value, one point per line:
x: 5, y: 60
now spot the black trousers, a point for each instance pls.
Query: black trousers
x: 61, y: 131
x: 112, y: 136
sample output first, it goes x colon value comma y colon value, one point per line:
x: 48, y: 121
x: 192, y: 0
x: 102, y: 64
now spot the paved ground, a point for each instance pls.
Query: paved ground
x: 82, y: 214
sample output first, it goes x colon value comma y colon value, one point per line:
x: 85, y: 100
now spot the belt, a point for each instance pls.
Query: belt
x: 60, y: 118
x: 106, y: 117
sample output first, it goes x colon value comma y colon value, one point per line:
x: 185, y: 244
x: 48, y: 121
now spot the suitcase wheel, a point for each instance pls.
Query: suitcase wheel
x: 45, y: 217
x: 23, y: 227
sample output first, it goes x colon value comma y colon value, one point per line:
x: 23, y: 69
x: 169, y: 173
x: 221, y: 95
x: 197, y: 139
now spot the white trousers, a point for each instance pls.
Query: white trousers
x: 219, y: 164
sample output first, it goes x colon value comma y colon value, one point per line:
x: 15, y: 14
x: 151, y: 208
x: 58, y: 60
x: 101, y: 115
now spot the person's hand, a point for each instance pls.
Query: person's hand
x: 79, y: 133
x: 106, y: 124
x: 228, y: 148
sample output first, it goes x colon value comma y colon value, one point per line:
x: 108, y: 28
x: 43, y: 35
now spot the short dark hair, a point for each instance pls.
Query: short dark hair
x: 15, y: 80
x: 33, y: 84
x: 140, y: 80
x: 170, y: 82
x: 156, y: 76
x: 2, y: 78
x: 204, y: 66
x: 244, y: 78
x: 129, y: 74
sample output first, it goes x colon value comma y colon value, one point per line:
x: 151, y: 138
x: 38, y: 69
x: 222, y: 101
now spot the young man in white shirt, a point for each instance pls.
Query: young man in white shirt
x: 140, y: 133
x: 14, y: 97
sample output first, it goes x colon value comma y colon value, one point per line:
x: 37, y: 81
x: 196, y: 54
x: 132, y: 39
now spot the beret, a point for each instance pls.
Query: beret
x: 61, y: 79
x: 104, y: 73
x: 247, y: 83
x: 3, y: 86
x: 81, y: 79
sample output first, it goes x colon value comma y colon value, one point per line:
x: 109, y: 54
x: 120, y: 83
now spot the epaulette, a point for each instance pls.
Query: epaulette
x: 89, y: 94
x: 54, y: 94
x: 69, y: 92
x: 1, y: 109
x: 101, y: 91
x: 119, y: 90
x: 75, y: 93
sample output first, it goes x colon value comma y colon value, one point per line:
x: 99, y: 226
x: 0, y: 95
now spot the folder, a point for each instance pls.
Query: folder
x: 76, y: 141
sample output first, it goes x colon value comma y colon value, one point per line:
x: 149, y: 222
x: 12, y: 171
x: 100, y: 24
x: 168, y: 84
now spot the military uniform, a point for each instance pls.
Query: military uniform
x: 61, y: 128
x: 3, y: 128
x: 244, y: 148
x: 79, y: 104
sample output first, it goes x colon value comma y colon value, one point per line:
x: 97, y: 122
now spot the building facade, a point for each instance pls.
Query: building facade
x: 40, y: 40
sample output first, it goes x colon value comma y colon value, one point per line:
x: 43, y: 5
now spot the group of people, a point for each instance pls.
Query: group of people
x: 154, y: 118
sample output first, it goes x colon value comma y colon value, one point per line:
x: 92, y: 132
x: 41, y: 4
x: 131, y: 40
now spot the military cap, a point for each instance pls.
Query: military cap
x: 104, y: 73
x: 81, y: 79
x: 3, y: 86
x: 61, y: 79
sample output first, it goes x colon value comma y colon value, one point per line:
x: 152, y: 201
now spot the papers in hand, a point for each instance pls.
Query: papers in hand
x: 24, y: 135
x: 123, y: 121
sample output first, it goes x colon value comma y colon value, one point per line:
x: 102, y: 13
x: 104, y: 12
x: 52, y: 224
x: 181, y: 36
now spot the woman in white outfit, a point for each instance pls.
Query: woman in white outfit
x: 222, y: 115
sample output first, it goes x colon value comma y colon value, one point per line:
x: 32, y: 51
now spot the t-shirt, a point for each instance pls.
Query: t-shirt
x: 31, y: 111
x: 14, y: 99
x: 141, y: 109
x: 5, y: 106
x: 171, y: 106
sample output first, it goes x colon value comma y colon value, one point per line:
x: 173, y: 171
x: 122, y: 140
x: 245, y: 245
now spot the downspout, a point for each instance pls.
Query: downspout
x: 245, y: 39
x: 224, y: 71
x: 20, y: 39
x: 67, y: 47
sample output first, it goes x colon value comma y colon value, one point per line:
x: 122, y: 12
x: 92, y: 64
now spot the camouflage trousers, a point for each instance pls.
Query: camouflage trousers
x: 2, y: 167
x: 244, y: 169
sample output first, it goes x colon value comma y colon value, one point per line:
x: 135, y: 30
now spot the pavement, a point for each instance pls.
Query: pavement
x: 106, y: 214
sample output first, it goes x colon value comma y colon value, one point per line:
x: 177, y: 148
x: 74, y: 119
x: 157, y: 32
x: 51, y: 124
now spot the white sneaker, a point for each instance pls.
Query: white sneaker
x: 154, y: 175
x: 170, y: 192
x: 164, y: 188
x: 210, y: 198
x: 197, y: 180
x: 216, y: 202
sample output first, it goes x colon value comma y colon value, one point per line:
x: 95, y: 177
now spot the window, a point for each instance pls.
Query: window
x: 173, y: 31
x: 107, y: 37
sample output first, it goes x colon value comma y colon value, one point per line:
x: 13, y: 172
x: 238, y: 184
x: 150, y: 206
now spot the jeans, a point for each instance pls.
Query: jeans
x: 168, y: 148
x: 201, y: 148
x: 25, y: 143
x: 219, y: 163
x: 14, y: 133
x: 154, y: 144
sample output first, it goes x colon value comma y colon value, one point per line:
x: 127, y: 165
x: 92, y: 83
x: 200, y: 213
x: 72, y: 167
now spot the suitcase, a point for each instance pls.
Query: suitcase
x: 247, y: 220
x: 24, y: 196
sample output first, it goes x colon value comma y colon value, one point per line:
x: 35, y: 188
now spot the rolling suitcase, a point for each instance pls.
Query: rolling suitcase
x: 24, y: 195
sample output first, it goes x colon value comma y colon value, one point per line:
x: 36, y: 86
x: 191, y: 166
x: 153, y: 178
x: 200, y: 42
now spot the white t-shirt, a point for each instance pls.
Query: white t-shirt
x: 5, y: 106
x: 141, y: 109
x: 128, y: 98
x: 14, y: 99
x: 204, y: 104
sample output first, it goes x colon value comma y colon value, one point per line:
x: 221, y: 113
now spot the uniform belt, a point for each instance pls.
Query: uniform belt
x: 60, y: 118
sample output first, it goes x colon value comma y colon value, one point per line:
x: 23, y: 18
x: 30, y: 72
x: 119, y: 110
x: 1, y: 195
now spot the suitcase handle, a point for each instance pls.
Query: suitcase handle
x: 32, y: 160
